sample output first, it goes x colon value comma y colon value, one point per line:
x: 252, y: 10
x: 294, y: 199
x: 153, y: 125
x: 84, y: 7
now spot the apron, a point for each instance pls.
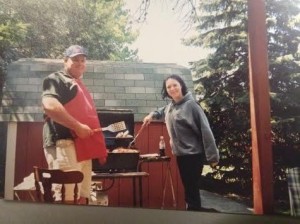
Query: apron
x: 83, y: 109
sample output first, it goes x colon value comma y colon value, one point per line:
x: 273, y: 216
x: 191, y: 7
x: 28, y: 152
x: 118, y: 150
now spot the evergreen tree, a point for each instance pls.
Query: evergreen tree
x: 222, y: 82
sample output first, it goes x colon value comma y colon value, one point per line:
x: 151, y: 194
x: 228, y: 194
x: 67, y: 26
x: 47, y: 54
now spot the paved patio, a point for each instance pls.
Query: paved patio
x: 223, y: 204
x: 31, y: 213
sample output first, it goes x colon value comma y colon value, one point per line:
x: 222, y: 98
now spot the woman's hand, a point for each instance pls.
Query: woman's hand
x: 147, y: 120
x: 213, y: 165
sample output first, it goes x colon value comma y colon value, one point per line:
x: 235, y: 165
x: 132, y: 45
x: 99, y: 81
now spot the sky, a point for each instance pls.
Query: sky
x: 160, y: 36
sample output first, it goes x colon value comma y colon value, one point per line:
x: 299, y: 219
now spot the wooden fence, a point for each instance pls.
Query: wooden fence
x: 29, y: 152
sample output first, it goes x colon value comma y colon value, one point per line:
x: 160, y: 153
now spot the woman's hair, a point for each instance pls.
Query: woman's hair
x: 164, y: 92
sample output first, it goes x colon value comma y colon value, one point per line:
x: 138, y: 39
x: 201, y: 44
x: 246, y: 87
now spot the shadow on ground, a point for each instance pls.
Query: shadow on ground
x: 223, y: 204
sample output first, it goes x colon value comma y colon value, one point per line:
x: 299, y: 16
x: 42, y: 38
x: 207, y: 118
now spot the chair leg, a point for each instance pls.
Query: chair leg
x: 83, y: 201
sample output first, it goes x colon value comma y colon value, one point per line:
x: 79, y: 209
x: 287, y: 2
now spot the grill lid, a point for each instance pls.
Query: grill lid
x: 110, y: 116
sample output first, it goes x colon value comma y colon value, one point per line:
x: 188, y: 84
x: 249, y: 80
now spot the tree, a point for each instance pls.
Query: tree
x: 37, y: 28
x: 222, y: 81
x: 102, y: 26
x: 12, y: 31
x: 284, y: 37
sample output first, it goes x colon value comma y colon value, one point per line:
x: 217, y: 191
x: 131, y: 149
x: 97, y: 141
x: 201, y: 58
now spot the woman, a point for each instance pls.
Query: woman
x: 191, y: 138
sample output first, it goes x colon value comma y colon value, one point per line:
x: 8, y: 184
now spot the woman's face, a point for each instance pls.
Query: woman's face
x: 173, y: 88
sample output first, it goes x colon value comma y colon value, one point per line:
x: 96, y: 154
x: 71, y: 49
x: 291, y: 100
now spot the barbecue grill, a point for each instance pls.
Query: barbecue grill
x: 121, y: 161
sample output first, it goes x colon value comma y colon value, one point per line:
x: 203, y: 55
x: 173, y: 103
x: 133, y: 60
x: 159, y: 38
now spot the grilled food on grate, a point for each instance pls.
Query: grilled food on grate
x: 124, y: 150
x: 124, y: 134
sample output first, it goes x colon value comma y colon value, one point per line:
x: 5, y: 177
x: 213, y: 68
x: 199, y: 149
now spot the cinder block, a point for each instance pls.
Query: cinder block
x: 95, y: 89
x: 166, y: 71
x: 35, y: 81
x: 145, y: 96
x: 104, y: 96
x: 33, y: 95
x: 114, y: 76
x: 115, y: 103
x: 152, y: 90
x: 88, y: 81
x: 27, y: 88
x: 155, y: 103
x: 117, y: 89
x: 124, y: 82
x: 137, y: 103
x: 16, y: 81
x: 18, y: 67
x: 134, y: 77
x: 99, y: 103
x: 39, y: 67
x: 4, y: 117
x: 135, y: 90
x: 32, y: 109
x: 146, y: 110
x: 102, y: 69
x: 125, y: 96
x: 143, y: 83
x: 104, y: 82
x: 123, y: 70
x: 22, y: 117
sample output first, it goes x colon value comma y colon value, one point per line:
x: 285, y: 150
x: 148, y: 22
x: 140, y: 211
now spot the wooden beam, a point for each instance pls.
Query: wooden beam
x: 10, y: 160
x: 262, y: 163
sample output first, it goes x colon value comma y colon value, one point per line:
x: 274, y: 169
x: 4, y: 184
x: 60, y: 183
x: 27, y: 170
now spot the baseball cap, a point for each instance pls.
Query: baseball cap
x: 75, y: 50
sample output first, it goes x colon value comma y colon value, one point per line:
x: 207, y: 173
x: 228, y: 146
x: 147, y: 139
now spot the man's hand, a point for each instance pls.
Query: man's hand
x: 83, y: 131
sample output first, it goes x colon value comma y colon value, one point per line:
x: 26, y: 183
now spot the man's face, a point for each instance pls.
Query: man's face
x: 76, y: 66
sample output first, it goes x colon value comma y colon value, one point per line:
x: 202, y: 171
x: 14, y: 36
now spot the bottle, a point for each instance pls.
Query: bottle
x: 162, y: 146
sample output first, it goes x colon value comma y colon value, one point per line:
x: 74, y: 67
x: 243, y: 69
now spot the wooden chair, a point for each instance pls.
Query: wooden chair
x: 48, y: 177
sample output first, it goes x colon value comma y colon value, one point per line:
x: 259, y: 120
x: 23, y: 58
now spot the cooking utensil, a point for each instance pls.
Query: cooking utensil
x: 115, y: 127
x: 137, y: 135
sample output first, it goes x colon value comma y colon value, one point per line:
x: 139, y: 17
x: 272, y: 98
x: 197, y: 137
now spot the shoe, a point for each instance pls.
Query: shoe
x: 207, y: 210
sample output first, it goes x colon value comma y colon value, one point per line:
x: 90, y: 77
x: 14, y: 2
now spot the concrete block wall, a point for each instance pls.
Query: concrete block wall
x: 113, y: 85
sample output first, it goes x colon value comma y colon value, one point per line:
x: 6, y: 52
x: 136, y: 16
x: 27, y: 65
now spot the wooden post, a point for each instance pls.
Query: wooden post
x: 260, y: 109
x: 10, y: 160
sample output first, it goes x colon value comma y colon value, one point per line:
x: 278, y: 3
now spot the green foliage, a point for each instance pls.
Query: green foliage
x: 101, y: 26
x: 223, y: 85
x: 284, y: 70
x: 43, y: 29
x: 12, y: 32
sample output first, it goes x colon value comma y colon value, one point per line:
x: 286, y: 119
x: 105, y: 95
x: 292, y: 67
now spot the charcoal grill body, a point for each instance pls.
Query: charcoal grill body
x: 117, y: 162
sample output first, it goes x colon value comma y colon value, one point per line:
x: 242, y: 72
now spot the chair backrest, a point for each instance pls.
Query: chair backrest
x: 49, y: 177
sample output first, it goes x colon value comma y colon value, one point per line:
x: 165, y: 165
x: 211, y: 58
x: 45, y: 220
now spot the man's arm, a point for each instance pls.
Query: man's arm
x: 56, y: 111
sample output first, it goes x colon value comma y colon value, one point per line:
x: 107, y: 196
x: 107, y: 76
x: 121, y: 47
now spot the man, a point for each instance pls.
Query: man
x: 71, y: 133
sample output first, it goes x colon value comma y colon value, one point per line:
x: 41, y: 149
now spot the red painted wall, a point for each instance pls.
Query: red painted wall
x: 29, y: 153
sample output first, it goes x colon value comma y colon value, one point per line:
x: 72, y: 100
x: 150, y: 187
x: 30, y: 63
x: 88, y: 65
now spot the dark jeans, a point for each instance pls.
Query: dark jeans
x: 190, y: 169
